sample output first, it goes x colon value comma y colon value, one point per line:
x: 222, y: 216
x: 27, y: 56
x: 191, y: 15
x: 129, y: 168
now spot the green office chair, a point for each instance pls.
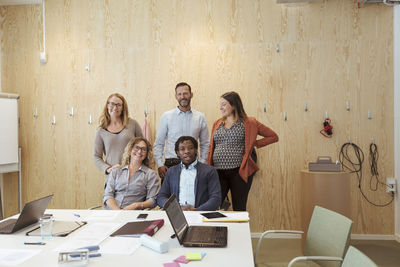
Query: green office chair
x: 327, y: 240
x: 355, y: 258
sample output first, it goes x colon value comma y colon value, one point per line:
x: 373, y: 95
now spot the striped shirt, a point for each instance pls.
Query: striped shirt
x: 176, y: 123
x: 143, y: 185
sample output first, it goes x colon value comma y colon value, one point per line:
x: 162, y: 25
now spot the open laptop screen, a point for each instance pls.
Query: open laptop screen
x: 176, y: 217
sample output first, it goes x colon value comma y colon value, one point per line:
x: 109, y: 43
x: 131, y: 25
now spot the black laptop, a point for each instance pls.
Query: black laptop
x: 30, y: 214
x: 194, y: 236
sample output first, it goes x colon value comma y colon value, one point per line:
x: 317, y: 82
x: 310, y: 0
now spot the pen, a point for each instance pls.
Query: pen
x: 77, y: 215
x: 34, y: 243
x: 94, y: 255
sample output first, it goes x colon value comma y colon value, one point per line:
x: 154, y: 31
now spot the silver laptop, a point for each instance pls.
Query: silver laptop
x: 30, y: 214
x: 194, y: 236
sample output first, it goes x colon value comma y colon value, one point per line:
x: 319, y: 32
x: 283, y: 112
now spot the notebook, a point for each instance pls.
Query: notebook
x: 194, y: 236
x: 136, y: 229
x: 30, y: 214
x: 230, y: 217
x: 60, y: 228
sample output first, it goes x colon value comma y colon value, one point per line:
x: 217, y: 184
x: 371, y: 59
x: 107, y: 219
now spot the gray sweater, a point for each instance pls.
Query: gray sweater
x: 112, y: 145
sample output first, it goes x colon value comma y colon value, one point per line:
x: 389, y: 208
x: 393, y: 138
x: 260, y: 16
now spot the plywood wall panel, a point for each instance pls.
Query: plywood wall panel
x: 10, y: 197
x: 330, y: 53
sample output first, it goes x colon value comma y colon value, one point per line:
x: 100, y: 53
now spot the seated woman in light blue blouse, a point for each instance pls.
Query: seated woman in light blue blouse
x: 134, y: 186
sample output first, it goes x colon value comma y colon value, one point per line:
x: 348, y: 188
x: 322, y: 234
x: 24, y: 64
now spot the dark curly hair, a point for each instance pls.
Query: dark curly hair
x: 183, y: 139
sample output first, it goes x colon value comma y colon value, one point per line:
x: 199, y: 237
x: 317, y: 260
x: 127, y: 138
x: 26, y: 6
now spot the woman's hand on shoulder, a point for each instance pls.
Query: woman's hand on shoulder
x: 116, y: 166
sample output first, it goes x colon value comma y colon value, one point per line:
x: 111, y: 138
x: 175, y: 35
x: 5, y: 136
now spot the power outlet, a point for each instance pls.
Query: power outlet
x: 391, y: 185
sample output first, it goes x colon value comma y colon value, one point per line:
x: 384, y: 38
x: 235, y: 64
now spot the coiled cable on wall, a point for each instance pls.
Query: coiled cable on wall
x: 345, y: 158
x: 373, y: 162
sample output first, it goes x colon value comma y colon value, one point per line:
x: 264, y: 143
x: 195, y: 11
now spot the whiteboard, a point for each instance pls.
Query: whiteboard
x: 8, y: 130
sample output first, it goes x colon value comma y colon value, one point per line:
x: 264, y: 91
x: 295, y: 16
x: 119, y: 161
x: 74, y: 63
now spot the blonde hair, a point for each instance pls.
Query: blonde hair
x: 126, y: 158
x: 105, y: 118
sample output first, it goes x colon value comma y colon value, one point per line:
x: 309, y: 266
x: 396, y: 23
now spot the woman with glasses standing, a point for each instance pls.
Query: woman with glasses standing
x: 115, y: 131
x: 233, y: 139
x: 134, y: 186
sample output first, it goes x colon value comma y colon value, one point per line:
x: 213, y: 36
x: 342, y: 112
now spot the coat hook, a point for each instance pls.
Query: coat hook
x: 71, y: 113
x: 326, y: 114
x: 277, y: 47
x: 145, y: 111
x: 285, y: 116
x: 88, y: 67
x: 347, y: 105
x: 373, y: 140
x: 265, y: 107
x: 369, y: 114
x: 53, y: 121
x: 90, y: 119
x: 35, y: 113
x: 305, y: 106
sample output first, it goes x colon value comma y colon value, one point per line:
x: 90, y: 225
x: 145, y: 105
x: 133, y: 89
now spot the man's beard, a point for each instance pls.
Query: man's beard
x: 188, y: 103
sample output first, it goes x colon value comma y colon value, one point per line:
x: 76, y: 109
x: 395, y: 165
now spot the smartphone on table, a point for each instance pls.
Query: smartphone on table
x: 142, y: 216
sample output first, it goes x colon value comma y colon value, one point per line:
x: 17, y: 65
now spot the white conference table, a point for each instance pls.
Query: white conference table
x: 237, y: 253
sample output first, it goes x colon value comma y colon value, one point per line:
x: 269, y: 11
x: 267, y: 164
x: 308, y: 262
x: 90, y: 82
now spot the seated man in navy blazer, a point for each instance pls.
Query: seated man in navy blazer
x: 195, y: 185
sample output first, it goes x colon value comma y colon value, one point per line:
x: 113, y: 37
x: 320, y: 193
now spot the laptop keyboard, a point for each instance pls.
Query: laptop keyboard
x: 206, y: 234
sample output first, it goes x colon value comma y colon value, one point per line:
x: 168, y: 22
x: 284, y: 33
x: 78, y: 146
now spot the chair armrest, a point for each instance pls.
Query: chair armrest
x: 95, y: 207
x: 273, y: 232
x: 314, y: 258
x: 281, y: 232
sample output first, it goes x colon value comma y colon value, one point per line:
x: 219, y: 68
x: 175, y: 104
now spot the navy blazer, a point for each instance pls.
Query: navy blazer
x: 206, y: 187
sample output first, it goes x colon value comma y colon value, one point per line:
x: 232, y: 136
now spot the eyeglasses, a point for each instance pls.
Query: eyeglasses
x: 142, y: 149
x: 113, y: 105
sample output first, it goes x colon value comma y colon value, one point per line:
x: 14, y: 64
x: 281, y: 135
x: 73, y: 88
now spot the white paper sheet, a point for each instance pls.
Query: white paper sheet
x: 92, y: 234
x: 193, y: 217
x: 13, y: 257
x: 99, y: 229
x: 79, y: 242
x: 119, y: 245
x: 103, y: 215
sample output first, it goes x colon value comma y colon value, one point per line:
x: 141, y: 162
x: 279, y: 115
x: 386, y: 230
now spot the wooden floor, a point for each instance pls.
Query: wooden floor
x: 385, y: 253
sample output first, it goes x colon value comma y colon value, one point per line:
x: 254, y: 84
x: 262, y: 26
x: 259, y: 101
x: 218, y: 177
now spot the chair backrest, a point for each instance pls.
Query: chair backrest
x: 355, y: 258
x: 328, y: 235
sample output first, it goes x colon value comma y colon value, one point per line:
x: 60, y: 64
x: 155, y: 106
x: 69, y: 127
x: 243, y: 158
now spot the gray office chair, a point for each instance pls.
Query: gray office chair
x: 327, y: 239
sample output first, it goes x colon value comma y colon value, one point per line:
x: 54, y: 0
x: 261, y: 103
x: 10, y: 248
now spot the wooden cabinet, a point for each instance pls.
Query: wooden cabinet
x: 330, y: 190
